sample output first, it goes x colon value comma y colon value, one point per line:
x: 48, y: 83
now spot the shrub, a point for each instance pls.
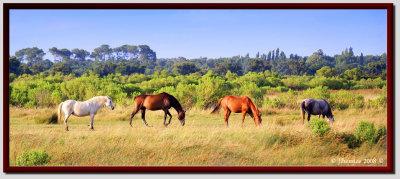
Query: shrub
x: 48, y: 119
x: 344, y: 100
x: 365, y: 132
x: 319, y: 127
x: 271, y: 103
x: 320, y: 92
x: 289, y: 99
x: 297, y: 82
x: 33, y: 158
x: 381, y: 132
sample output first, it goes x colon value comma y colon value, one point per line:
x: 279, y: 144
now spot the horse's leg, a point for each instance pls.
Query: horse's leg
x: 91, y: 121
x: 170, y: 117
x: 165, y: 117
x: 228, y: 112
x: 143, y: 110
x: 319, y: 116
x: 308, y: 117
x: 133, y: 114
x: 66, y: 120
x: 323, y: 116
x: 244, y: 115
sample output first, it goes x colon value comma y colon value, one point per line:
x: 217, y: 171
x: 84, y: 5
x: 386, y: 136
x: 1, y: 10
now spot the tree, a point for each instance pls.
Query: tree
x: 14, y: 66
x: 185, y: 68
x: 269, y: 56
x: 145, y: 53
x: 30, y: 55
x: 65, y: 54
x: 282, y: 56
x: 100, y: 53
x: 277, y: 53
x: 61, y: 67
x: 273, y: 55
x: 258, y: 65
x: 316, y: 61
x: 80, y: 54
x: 223, y: 67
x: 104, y: 68
x: 296, y: 67
x: 55, y: 52
x: 326, y: 71
x: 353, y: 74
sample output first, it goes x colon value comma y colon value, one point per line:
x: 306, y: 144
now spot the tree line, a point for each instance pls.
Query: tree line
x: 129, y: 59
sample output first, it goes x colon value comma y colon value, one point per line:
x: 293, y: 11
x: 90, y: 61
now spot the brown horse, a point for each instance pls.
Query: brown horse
x: 162, y: 101
x: 239, y: 105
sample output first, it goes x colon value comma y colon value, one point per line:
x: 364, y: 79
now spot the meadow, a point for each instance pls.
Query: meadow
x: 282, y: 140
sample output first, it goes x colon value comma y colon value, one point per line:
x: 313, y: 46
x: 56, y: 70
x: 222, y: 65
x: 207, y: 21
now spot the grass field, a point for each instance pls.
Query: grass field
x: 282, y: 140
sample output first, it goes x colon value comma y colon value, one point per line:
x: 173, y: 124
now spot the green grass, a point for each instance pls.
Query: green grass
x: 282, y: 140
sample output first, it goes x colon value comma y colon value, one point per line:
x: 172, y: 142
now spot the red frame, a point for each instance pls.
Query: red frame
x: 203, y: 169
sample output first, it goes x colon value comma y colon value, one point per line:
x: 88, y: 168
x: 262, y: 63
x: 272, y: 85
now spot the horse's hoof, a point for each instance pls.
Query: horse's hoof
x: 91, y: 129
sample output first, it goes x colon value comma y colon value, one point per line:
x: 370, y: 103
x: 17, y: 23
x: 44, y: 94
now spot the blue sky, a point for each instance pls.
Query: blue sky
x: 206, y: 33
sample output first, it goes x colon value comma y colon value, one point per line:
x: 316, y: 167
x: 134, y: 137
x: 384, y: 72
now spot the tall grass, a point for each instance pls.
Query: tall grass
x: 204, y: 141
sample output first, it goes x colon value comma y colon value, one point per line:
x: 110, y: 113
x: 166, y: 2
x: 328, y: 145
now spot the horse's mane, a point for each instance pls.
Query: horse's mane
x: 102, y: 99
x: 174, y: 100
x: 252, y: 105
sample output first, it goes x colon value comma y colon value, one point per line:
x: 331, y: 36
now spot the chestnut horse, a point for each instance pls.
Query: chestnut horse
x: 239, y: 105
x: 162, y: 101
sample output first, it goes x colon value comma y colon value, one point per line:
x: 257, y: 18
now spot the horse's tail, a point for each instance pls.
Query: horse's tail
x: 302, y: 108
x: 59, y: 112
x: 217, y: 107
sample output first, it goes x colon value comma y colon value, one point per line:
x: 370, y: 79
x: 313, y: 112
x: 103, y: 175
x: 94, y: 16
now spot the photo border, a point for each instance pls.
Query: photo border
x: 201, y: 169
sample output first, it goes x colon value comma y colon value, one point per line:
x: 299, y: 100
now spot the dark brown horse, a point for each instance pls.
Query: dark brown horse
x: 162, y: 101
x: 239, y: 105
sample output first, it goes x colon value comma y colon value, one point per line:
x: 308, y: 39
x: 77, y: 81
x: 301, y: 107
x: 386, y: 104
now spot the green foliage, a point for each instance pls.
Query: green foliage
x: 297, y: 82
x: 344, y: 100
x: 319, y: 127
x: 326, y: 71
x: 365, y: 132
x: 331, y: 83
x: 353, y: 74
x: 320, y: 92
x: 271, y: 103
x: 33, y: 158
x: 381, y: 132
x: 185, y: 68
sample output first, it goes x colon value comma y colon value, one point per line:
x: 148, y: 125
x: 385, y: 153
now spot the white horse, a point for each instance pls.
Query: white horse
x: 83, y: 108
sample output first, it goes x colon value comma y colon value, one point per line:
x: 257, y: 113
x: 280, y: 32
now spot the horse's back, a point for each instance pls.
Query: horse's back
x: 154, y: 102
x: 237, y: 104
x: 316, y: 107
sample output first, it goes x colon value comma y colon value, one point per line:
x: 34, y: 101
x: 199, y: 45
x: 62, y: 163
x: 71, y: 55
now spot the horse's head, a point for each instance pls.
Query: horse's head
x: 181, y: 117
x: 330, y: 119
x: 109, y: 103
x: 258, y: 118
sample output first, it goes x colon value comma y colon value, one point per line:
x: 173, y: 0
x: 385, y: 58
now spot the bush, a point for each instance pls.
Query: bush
x: 289, y: 99
x: 381, y: 132
x: 344, y: 100
x: 33, y: 158
x: 271, y: 103
x: 297, y: 82
x: 320, y: 92
x: 49, y: 119
x: 365, y: 132
x: 319, y: 127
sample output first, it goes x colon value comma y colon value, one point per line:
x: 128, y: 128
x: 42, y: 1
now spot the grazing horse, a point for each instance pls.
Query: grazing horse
x: 162, y: 101
x: 239, y: 105
x: 83, y: 108
x: 316, y: 107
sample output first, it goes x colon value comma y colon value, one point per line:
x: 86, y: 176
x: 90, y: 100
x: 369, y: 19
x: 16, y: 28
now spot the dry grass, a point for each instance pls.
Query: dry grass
x: 204, y: 141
